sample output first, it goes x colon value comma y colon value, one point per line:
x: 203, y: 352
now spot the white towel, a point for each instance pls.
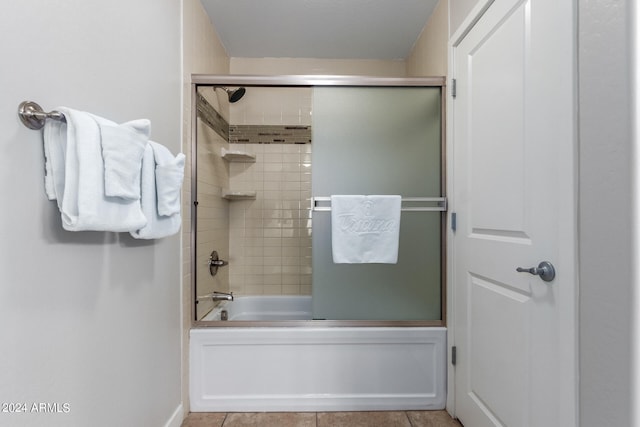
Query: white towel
x: 365, y: 229
x: 169, y: 177
x: 122, y: 150
x: 77, y: 183
x: 55, y: 147
x: 158, y: 226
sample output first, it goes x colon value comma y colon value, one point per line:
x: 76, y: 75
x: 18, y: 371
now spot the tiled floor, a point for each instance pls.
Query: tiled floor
x: 322, y: 419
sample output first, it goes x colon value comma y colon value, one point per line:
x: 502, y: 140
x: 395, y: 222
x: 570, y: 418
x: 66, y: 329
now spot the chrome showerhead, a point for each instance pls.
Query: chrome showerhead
x: 234, y: 94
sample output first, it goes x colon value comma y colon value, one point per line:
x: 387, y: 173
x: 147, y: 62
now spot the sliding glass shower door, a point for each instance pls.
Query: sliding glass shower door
x: 379, y: 141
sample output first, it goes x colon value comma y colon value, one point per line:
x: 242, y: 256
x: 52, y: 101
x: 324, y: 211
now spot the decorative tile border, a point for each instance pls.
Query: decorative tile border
x: 269, y: 134
x: 212, y: 118
x: 251, y: 134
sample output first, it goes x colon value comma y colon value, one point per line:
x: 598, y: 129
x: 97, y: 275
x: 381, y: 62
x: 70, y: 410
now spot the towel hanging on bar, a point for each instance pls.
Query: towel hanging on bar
x: 93, y: 170
x: 365, y: 229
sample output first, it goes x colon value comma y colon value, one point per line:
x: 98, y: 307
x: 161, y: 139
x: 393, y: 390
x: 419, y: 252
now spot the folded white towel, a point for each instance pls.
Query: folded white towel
x: 158, y: 226
x: 169, y: 177
x: 55, y: 147
x: 122, y: 150
x: 79, y: 185
x: 365, y: 229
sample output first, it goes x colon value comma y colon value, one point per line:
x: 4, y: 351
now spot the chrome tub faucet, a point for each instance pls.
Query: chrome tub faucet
x: 217, y: 296
x: 222, y: 296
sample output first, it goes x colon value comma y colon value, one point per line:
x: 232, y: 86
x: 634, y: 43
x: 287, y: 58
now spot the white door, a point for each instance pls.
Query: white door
x: 514, y: 196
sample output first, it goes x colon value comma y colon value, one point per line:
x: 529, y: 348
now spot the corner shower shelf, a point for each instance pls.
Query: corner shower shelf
x: 238, y: 156
x: 239, y: 195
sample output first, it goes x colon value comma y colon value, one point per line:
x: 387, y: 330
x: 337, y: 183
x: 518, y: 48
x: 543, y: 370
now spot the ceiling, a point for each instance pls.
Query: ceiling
x: 337, y: 29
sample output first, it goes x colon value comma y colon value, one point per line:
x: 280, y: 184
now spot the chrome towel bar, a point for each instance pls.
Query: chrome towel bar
x: 33, y: 116
x: 409, y: 204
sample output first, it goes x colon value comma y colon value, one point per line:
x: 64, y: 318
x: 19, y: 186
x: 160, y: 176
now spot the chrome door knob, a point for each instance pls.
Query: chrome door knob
x: 545, y: 270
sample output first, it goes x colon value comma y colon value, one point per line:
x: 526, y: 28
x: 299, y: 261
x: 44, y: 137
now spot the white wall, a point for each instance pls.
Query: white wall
x: 429, y: 54
x: 635, y: 167
x: 90, y: 319
x: 605, y: 213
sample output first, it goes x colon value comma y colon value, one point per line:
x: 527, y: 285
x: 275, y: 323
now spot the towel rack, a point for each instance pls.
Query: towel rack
x: 33, y: 116
x: 409, y: 204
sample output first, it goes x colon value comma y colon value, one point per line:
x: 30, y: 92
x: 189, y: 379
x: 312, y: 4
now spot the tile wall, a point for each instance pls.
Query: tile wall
x: 272, y: 106
x: 213, y: 213
x: 267, y: 239
x: 270, y: 237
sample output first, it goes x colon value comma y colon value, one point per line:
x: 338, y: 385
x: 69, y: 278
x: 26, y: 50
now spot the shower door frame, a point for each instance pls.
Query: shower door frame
x: 207, y: 80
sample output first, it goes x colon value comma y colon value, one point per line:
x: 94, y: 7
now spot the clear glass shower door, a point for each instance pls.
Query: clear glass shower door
x: 375, y: 141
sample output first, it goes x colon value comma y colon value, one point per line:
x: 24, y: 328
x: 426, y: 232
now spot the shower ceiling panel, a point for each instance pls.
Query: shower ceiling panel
x: 337, y: 29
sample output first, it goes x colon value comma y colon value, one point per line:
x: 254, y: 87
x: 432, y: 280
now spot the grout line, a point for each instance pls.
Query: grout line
x: 408, y: 418
x: 225, y: 419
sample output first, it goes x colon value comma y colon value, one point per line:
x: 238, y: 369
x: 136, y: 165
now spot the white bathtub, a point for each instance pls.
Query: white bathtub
x: 264, y: 308
x: 314, y: 368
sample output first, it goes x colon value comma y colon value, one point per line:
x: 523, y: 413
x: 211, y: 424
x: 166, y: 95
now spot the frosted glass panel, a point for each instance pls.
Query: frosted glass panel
x: 378, y: 141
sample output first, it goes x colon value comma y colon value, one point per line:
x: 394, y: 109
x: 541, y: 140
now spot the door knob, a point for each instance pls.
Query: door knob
x: 545, y: 270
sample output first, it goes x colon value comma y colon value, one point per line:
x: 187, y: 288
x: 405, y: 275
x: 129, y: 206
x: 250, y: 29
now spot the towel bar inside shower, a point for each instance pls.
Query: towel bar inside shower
x: 33, y: 116
x: 409, y: 204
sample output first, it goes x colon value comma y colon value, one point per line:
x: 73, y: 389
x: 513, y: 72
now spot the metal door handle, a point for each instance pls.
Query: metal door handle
x: 545, y: 270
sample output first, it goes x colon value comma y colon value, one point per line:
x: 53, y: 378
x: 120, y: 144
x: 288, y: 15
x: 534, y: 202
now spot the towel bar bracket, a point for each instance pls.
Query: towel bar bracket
x: 33, y: 116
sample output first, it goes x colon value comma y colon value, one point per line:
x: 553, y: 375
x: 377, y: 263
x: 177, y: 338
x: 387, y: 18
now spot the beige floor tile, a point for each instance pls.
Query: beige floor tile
x: 363, y: 419
x: 271, y: 419
x: 204, y: 419
x: 431, y: 419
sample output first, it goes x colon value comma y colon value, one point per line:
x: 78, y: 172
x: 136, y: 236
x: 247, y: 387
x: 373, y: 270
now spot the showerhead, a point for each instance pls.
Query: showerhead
x: 234, y: 94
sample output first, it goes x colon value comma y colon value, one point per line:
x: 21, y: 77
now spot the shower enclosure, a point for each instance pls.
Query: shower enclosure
x: 268, y: 152
x: 301, y: 332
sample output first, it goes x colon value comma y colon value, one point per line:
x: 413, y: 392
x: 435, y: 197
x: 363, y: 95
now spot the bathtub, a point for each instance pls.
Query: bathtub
x: 264, y: 308
x: 314, y: 367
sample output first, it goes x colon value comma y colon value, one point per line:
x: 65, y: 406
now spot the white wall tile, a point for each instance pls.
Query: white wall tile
x: 268, y: 230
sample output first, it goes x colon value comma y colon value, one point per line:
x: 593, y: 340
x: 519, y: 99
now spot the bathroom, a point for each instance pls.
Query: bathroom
x: 110, y: 338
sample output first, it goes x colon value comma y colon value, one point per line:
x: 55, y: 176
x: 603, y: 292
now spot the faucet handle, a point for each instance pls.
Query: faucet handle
x: 215, y: 262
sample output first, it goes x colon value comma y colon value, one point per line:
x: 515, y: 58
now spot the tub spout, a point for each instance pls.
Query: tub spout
x: 222, y: 296
x: 217, y: 296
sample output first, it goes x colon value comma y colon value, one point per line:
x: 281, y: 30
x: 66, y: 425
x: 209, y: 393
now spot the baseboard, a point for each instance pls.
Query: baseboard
x: 321, y: 403
x: 176, y: 417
